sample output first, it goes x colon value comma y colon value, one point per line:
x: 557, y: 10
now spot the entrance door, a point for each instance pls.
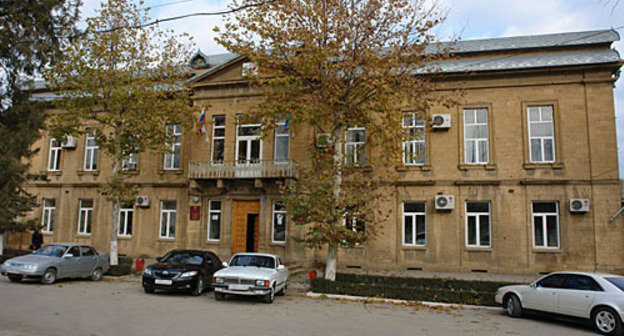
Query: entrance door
x: 245, y: 224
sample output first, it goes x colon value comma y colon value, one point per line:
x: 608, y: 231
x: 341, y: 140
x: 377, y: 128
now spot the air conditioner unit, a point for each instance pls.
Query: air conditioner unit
x: 441, y: 121
x: 579, y: 204
x: 445, y: 202
x: 142, y: 201
x: 323, y: 140
x: 70, y: 143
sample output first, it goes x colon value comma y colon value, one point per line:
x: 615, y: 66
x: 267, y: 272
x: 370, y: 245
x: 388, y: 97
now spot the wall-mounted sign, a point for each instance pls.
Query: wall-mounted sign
x: 195, y: 212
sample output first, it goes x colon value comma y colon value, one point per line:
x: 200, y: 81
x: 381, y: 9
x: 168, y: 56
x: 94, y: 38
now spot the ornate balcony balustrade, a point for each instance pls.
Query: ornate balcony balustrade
x: 243, y: 169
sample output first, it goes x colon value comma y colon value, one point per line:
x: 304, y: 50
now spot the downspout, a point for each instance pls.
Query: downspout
x: 591, y: 169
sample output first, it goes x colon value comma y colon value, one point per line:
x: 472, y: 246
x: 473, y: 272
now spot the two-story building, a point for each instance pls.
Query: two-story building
x: 521, y: 177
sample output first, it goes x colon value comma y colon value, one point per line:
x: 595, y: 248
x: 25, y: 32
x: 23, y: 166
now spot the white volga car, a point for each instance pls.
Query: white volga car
x: 596, y: 297
x: 257, y: 274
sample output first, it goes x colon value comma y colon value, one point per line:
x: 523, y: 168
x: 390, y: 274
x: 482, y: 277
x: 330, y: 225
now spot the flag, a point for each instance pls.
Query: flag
x: 202, y: 121
x: 286, y: 125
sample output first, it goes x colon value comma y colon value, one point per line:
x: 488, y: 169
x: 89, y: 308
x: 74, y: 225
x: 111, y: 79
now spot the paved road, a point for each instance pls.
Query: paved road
x: 121, y: 308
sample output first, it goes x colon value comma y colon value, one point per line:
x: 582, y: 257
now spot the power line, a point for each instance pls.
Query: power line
x: 168, y: 4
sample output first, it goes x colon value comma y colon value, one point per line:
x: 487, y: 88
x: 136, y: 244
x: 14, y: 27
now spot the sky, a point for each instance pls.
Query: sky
x: 466, y: 19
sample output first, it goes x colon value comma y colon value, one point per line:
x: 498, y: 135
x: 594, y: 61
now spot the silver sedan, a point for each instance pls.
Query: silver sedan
x: 57, y: 261
x: 598, y: 298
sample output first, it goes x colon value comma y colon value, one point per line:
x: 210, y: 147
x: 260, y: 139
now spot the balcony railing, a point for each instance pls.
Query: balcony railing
x: 242, y: 169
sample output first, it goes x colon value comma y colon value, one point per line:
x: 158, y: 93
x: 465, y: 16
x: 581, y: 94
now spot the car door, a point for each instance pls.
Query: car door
x: 544, y: 294
x: 69, y: 266
x: 88, y: 261
x: 578, y: 296
x: 281, y: 272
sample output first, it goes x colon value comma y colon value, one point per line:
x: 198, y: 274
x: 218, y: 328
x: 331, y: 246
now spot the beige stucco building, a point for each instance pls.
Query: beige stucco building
x: 534, y: 132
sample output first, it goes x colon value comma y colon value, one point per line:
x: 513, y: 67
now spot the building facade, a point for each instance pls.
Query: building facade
x: 520, y: 178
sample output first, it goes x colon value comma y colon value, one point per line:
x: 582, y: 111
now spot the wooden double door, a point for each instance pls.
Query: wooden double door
x: 245, y: 225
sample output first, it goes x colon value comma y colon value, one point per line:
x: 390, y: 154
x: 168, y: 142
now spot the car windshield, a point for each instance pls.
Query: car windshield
x: 617, y: 282
x: 51, y: 251
x: 253, y: 260
x: 181, y: 257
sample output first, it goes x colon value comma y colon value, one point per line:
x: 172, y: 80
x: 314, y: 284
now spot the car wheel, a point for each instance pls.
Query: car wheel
x: 15, y: 277
x: 148, y: 290
x: 49, y: 276
x: 219, y: 296
x: 199, y: 288
x: 607, y: 321
x: 513, y: 306
x: 268, y: 298
x: 97, y: 274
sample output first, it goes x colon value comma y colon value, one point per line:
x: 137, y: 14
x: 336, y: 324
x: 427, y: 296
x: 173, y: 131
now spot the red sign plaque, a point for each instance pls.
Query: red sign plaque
x: 195, y: 212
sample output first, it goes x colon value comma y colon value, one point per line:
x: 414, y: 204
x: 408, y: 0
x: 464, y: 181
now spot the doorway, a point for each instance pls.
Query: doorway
x: 252, y: 232
x: 245, y: 225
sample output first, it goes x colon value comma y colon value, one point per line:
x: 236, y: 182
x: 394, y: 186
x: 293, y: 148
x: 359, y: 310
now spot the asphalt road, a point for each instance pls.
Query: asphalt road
x: 121, y: 308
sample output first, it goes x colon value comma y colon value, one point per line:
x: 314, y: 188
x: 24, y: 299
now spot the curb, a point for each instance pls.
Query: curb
x: 399, y: 302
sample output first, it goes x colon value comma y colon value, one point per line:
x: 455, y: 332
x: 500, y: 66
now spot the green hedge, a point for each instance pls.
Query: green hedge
x: 123, y: 268
x: 416, y: 289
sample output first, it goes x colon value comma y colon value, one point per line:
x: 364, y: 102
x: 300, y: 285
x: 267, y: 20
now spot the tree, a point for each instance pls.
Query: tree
x: 30, y: 35
x: 348, y: 68
x: 122, y: 86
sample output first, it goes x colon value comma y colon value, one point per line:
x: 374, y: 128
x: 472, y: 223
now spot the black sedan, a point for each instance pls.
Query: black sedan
x: 182, y: 270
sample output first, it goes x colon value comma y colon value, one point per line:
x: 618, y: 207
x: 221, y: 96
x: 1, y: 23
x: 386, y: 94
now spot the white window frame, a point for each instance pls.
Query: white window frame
x: 248, y: 141
x: 409, y: 146
x: 544, y: 216
x: 123, y: 221
x: 216, y: 127
x: 414, y: 214
x: 358, y: 146
x: 91, y: 151
x: 477, y: 216
x: 210, y: 213
x: 47, y: 215
x: 54, y: 156
x: 273, y: 213
x: 477, y: 141
x: 130, y: 163
x: 285, y: 134
x: 173, y: 131
x: 167, y: 213
x: 85, y: 216
x: 541, y: 138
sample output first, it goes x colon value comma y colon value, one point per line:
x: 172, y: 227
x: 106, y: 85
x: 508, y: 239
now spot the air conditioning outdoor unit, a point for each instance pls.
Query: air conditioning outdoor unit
x: 579, y: 204
x: 70, y: 143
x: 142, y: 201
x: 323, y: 140
x: 441, y: 121
x: 445, y: 202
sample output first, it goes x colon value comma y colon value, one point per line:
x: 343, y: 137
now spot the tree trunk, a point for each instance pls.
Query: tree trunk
x: 332, y: 251
x: 114, y: 251
x: 1, y: 243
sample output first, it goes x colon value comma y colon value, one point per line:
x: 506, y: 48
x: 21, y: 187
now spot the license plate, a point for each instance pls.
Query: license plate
x: 163, y: 282
x: 239, y: 287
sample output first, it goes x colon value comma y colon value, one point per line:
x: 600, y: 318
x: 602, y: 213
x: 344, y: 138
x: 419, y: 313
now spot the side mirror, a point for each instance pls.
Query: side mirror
x: 281, y: 267
x: 225, y: 264
x: 159, y: 259
x: 68, y: 255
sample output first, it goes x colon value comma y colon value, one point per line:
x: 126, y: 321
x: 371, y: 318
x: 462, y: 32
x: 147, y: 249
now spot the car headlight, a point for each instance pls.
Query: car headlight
x: 188, y: 274
x: 217, y: 280
x: 262, y: 283
x: 30, y: 267
x: 148, y: 271
x: 8, y: 263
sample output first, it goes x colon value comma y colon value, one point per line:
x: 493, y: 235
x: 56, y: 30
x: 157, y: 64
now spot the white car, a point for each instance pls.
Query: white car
x: 596, y: 297
x: 257, y: 274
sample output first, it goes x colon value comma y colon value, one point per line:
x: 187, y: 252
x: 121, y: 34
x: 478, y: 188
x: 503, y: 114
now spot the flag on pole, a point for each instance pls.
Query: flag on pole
x: 202, y: 123
x: 286, y: 125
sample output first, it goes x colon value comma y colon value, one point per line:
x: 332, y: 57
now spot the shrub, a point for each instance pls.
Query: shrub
x: 123, y: 268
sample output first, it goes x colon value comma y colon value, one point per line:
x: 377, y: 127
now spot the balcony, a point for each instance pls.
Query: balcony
x: 256, y: 169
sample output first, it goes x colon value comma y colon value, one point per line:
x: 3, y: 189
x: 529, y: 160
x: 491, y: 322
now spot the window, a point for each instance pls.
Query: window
x: 130, y: 162
x: 541, y: 134
x: 47, y: 215
x: 545, y: 224
x: 91, y: 151
x: 414, y: 224
x: 582, y: 282
x: 476, y: 143
x: 355, y: 224
x: 214, y: 220
x: 167, y: 219
x: 126, y: 213
x: 248, y: 144
x: 355, y: 152
x: 279, y: 223
x: 282, y: 140
x: 74, y: 251
x: 414, y: 145
x: 552, y: 281
x: 86, y: 251
x: 54, y: 158
x: 478, y: 224
x: 218, y: 139
x: 85, y: 216
x: 174, y: 143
